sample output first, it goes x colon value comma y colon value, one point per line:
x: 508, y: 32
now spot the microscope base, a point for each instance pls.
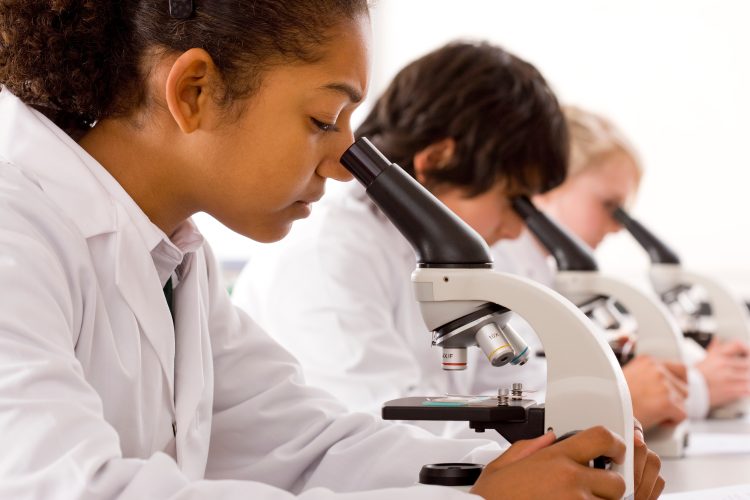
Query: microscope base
x: 733, y: 410
x: 668, y: 442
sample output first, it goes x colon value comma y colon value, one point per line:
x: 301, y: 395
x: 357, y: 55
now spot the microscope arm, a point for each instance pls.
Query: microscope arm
x: 585, y: 385
x: 658, y: 336
x: 658, y: 333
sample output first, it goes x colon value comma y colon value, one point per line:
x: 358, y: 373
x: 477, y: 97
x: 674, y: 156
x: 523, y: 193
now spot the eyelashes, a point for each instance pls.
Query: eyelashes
x: 324, y: 126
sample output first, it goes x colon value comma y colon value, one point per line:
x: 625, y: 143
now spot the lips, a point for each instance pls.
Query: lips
x: 312, y: 198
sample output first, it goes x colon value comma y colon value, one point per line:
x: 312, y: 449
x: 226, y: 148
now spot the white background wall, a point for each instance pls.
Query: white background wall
x: 674, y: 74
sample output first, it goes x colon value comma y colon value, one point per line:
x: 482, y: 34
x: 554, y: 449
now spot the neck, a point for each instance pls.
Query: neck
x: 141, y: 164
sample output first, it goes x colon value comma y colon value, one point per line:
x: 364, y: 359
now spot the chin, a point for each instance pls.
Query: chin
x: 264, y: 234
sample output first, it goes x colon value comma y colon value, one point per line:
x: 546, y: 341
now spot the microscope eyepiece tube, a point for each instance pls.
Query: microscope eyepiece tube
x: 437, y: 235
x: 493, y: 343
x: 570, y: 253
x: 454, y: 358
x: 657, y: 250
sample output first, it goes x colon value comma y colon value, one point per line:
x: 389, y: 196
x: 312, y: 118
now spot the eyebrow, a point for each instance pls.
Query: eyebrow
x: 343, y: 88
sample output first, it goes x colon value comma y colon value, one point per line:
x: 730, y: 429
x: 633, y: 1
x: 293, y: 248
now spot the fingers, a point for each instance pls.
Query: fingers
x: 735, y: 348
x: 638, y: 429
x: 640, y: 453
x: 737, y: 365
x: 522, y: 449
x: 658, y: 488
x: 591, y: 443
x: 603, y: 483
x: 678, y: 370
x: 677, y: 384
x: 645, y: 487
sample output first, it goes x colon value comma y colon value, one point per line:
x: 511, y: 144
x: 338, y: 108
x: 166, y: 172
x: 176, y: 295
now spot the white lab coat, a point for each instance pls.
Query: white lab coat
x: 93, y: 374
x: 358, y: 331
x: 525, y: 257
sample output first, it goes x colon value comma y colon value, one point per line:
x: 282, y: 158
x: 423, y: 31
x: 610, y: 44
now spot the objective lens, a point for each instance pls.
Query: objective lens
x: 520, y: 349
x: 494, y: 344
x: 454, y: 358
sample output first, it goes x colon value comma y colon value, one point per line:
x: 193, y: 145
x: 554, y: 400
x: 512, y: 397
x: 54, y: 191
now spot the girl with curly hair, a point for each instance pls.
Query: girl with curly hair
x: 124, y: 370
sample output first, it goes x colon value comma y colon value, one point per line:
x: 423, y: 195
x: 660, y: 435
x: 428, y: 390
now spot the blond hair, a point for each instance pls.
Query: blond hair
x: 593, y: 139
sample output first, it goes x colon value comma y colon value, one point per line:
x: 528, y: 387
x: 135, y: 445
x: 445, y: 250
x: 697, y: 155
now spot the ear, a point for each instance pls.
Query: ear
x: 188, y: 88
x: 433, y: 157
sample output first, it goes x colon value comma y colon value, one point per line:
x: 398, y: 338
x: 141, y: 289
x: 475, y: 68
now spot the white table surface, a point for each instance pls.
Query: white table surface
x: 701, y: 471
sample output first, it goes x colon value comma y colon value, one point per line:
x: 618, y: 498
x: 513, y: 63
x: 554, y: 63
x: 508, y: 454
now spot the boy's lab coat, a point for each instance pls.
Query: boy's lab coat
x: 97, y: 389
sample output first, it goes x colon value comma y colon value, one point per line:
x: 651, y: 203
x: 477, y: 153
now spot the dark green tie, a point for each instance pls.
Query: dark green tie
x: 169, y: 296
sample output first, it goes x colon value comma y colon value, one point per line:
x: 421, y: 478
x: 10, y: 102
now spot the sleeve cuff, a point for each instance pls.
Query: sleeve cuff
x: 697, y: 403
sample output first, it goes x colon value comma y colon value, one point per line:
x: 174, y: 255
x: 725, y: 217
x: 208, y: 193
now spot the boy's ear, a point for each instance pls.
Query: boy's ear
x: 188, y: 88
x: 434, y: 157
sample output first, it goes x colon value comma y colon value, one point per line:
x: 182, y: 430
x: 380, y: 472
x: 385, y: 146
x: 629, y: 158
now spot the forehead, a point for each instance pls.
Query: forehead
x: 618, y: 167
x: 341, y: 70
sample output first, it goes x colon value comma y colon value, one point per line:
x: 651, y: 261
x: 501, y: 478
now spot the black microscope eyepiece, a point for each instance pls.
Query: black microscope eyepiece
x: 658, y: 251
x: 570, y: 253
x: 364, y: 161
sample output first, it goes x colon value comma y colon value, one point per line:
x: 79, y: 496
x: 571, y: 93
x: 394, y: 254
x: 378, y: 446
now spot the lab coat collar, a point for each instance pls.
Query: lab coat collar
x: 56, y: 162
x: 82, y: 189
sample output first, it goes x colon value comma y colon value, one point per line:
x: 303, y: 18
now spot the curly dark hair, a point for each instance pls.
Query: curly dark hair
x: 505, y: 119
x: 79, y: 61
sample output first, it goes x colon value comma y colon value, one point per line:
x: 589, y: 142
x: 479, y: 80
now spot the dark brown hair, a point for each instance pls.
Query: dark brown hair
x: 83, y: 60
x: 505, y: 119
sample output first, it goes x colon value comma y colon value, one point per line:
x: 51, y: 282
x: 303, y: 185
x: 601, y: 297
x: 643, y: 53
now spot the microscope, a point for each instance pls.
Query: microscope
x: 600, y: 298
x: 703, y: 306
x: 465, y: 303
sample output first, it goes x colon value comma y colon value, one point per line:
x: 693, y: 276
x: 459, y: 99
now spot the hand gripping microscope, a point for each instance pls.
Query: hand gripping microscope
x: 578, y: 279
x: 676, y: 287
x: 465, y: 303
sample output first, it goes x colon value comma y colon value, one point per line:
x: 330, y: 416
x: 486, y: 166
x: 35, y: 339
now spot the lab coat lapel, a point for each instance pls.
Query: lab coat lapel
x: 141, y: 288
x: 193, y: 375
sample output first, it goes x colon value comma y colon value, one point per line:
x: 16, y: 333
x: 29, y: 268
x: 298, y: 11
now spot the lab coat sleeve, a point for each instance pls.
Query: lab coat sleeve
x: 332, y: 301
x: 698, y: 402
x: 269, y: 426
x: 56, y: 442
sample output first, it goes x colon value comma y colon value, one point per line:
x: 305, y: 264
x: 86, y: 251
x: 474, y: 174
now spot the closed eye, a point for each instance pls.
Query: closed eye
x: 324, y: 126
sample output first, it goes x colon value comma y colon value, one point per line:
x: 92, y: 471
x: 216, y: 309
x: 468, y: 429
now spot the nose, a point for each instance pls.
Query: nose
x: 331, y: 167
x: 613, y: 226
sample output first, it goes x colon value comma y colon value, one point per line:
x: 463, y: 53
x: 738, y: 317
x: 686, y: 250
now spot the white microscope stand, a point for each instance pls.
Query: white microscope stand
x: 585, y: 385
x: 729, y: 313
x: 658, y: 336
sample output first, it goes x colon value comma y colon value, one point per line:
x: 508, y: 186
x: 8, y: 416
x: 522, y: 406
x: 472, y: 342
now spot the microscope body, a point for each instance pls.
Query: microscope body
x: 585, y: 386
x: 671, y: 282
x: 731, y: 320
x: 465, y: 303
x: 658, y: 336
x: 578, y: 279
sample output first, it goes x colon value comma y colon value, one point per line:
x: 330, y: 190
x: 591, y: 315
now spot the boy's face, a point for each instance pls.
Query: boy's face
x: 490, y: 213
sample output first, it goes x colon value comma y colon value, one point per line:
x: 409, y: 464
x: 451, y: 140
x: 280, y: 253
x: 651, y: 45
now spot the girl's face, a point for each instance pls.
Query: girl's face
x: 262, y: 171
x: 584, y: 203
x: 490, y: 213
